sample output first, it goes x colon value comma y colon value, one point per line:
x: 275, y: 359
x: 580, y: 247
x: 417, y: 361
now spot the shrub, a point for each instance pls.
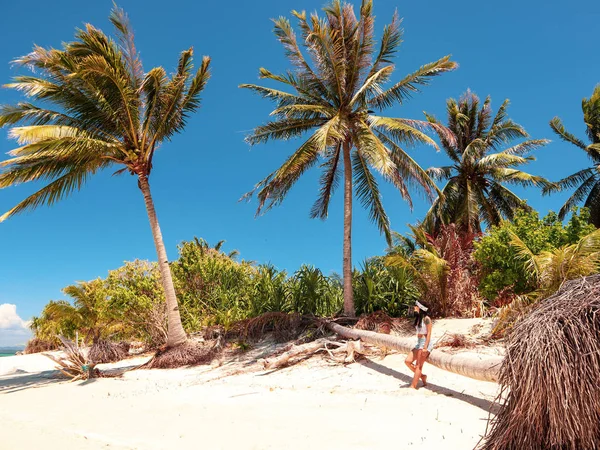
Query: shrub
x: 499, y: 266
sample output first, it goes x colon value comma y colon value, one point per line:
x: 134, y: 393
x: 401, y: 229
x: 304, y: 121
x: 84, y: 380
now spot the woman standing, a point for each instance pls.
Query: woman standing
x: 418, y: 355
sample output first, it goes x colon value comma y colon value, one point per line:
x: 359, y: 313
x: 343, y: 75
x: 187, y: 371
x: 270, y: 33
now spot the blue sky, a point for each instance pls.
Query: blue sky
x: 540, y: 54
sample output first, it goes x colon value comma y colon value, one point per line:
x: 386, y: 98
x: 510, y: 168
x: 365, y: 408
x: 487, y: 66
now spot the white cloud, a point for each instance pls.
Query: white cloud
x: 13, y: 329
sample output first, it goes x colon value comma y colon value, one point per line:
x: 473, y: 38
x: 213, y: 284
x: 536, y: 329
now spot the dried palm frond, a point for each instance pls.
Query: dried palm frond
x: 549, y: 377
x: 74, y: 364
x: 283, y: 326
x: 187, y: 354
x: 104, y: 351
x: 37, y: 345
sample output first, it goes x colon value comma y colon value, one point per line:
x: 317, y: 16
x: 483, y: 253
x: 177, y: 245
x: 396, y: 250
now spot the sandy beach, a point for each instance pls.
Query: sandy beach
x: 234, y: 404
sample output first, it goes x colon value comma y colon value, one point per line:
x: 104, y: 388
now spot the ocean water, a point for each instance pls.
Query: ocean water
x: 9, y: 351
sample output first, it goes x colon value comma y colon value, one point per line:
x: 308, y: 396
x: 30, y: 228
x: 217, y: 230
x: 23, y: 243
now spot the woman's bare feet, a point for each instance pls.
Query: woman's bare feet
x: 424, y: 379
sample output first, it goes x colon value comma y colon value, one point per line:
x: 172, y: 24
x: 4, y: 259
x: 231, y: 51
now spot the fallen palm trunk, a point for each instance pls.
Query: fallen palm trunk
x: 485, y: 369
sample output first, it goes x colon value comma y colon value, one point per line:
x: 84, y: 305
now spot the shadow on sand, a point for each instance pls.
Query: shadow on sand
x: 486, y: 405
x: 23, y: 380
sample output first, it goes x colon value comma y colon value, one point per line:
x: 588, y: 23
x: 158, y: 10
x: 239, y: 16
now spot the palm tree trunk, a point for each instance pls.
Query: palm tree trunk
x: 176, y: 334
x: 347, y: 269
x: 478, y: 367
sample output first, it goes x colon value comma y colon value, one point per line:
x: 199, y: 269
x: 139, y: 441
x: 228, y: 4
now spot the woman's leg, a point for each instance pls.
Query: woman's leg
x: 421, y: 363
x: 411, y: 359
x: 417, y: 370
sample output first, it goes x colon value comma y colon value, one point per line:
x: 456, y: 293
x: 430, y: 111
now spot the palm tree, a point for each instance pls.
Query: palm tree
x: 475, y: 191
x: 108, y: 113
x: 587, y: 181
x: 335, y: 93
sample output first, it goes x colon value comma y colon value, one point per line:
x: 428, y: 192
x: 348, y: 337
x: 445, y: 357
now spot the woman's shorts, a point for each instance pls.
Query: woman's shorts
x: 421, y: 344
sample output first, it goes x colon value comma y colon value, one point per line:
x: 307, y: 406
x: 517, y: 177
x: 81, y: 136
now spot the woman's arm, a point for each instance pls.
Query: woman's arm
x: 429, y: 327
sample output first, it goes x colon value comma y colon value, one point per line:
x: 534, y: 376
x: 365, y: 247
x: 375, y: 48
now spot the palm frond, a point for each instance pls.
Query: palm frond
x: 56, y: 190
x: 515, y: 176
x: 283, y: 129
x: 404, y: 89
x: 578, y: 196
x: 525, y: 254
x: 329, y: 182
x: 367, y: 191
x: 440, y: 173
x: 558, y: 127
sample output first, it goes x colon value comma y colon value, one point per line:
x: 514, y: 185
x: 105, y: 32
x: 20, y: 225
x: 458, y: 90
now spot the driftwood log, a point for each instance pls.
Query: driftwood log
x: 484, y: 368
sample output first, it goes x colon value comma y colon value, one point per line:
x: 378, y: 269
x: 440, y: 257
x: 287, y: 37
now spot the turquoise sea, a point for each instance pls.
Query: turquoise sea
x: 9, y: 351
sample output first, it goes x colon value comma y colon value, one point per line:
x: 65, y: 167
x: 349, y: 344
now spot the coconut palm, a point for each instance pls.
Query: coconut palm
x: 482, y: 165
x: 107, y: 113
x: 333, y: 96
x: 587, y: 181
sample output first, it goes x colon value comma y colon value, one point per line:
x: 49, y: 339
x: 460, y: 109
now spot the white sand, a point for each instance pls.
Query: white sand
x: 313, y: 405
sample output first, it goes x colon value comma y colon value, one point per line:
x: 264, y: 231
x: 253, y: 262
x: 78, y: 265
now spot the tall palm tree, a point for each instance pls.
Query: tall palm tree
x: 334, y: 94
x: 108, y: 113
x: 587, y: 181
x: 475, y: 190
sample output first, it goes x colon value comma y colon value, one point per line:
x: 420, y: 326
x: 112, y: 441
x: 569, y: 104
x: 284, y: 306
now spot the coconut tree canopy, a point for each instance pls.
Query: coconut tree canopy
x: 484, y: 160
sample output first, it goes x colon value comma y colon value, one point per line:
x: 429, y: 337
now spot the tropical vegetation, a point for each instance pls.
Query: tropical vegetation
x: 214, y: 289
x: 479, y: 249
x: 501, y: 272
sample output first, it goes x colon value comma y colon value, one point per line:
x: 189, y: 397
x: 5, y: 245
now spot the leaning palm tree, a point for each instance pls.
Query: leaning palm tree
x: 108, y: 113
x: 587, y: 181
x: 335, y: 93
x: 475, y: 190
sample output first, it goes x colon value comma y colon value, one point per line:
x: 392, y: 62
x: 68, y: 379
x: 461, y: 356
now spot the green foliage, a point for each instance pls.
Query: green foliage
x: 135, y: 305
x: 215, y: 288
x: 311, y: 292
x: 500, y: 267
x: 127, y: 305
x: 378, y: 287
x: 211, y: 286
